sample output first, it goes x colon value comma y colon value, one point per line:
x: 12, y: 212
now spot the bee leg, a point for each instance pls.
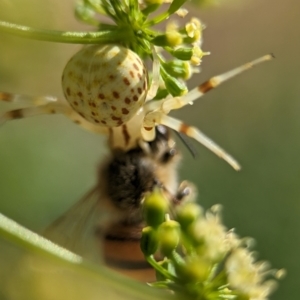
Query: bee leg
x: 187, y: 191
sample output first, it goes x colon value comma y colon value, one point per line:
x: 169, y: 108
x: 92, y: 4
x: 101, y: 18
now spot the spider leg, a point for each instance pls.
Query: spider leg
x: 160, y: 118
x: 25, y: 99
x: 166, y: 105
x: 155, y: 76
x: 54, y: 107
x: 148, y: 132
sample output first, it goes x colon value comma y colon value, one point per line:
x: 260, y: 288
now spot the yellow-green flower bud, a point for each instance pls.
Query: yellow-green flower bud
x: 160, y: 40
x: 149, y: 242
x: 187, y: 214
x: 195, y: 269
x: 170, y: 38
x: 161, y: 94
x: 183, y: 53
x: 173, y: 35
x: 155, y: 207
x: 178, y: 69
x: 169, y: 236
x: 174, y: 38
x: 173, y: 85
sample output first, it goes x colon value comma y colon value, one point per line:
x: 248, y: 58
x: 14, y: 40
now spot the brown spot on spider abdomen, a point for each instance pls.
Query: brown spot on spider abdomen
x: 126, y: 81
x: 125, y: 111
x: 116, y: 95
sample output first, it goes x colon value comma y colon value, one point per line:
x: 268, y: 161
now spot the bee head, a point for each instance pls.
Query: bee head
x: 162, y: 148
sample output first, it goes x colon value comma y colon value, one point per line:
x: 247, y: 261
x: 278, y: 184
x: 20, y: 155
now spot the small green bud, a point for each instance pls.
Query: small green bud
x: 169, y: 39
x: 169, y: 236
x: 182, y: 53
x: 195, y: 269
x: 187, y: 214
x: 160, y: 40
x: 155, y: 207
x: 173, y: 85
x: 161, y: 94
x: 149, y: 242
x: 174, y: 38
x: 178, y: 68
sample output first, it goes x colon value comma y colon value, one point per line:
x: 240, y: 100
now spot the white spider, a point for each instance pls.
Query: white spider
x: 106, y: 88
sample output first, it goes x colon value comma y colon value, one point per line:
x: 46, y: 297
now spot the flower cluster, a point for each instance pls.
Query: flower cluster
x: 176, y: 51
x: 196, y: 256
x: 133, y: 18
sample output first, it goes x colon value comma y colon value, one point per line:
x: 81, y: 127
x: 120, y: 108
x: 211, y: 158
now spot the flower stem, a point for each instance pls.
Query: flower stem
x: 69, y: 37
x: 159, y: 268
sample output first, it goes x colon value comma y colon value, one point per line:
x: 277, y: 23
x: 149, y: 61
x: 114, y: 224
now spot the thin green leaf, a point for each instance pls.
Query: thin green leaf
x: 42, y: 270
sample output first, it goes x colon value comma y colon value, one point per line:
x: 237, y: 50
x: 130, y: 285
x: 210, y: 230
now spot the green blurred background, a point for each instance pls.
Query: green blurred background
x: 47, y: 163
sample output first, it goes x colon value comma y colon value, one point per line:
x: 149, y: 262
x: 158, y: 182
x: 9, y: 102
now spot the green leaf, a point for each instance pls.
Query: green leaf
x: 36, y: 269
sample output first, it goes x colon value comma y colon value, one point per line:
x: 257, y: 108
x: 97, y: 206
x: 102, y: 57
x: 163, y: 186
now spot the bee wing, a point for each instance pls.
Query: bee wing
x: 76, y: 229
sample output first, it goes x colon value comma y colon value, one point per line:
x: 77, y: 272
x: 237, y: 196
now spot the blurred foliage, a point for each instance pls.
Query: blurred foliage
x: 206, y: 3
x: 47, y: 163
x: 34, y: 268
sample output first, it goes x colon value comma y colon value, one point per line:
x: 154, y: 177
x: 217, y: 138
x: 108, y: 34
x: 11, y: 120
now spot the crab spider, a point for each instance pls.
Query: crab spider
x: 106, y: 88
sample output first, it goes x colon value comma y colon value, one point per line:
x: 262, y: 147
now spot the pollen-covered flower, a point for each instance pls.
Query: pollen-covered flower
x: 173, y: 36
x: 197, y: 55
x: 194, y: 29
x: 212, y: 234
x: 248, y: 276
x: 182, y: 12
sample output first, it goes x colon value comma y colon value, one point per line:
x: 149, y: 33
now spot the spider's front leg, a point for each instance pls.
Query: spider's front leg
x: 41, y: 106
x: 158, y: 117
x: 166, y: 105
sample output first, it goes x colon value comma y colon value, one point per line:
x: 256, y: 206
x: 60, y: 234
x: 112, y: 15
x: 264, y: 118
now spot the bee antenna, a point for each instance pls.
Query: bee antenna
x: 184, y: 139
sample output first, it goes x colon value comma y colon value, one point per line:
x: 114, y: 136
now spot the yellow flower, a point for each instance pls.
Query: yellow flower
x: 197, y: 55
x: 174, y: 38
x: 194, y: 29
x: 248, y: 276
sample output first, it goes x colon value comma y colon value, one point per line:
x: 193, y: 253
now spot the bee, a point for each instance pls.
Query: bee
x: 110, y: 216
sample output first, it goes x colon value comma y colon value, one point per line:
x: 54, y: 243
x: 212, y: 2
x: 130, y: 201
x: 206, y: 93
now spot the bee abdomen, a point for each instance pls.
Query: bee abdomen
x: 121, y: 249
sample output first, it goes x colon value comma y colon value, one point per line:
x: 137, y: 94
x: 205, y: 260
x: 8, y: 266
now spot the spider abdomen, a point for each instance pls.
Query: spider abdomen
x: 106, y: 84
